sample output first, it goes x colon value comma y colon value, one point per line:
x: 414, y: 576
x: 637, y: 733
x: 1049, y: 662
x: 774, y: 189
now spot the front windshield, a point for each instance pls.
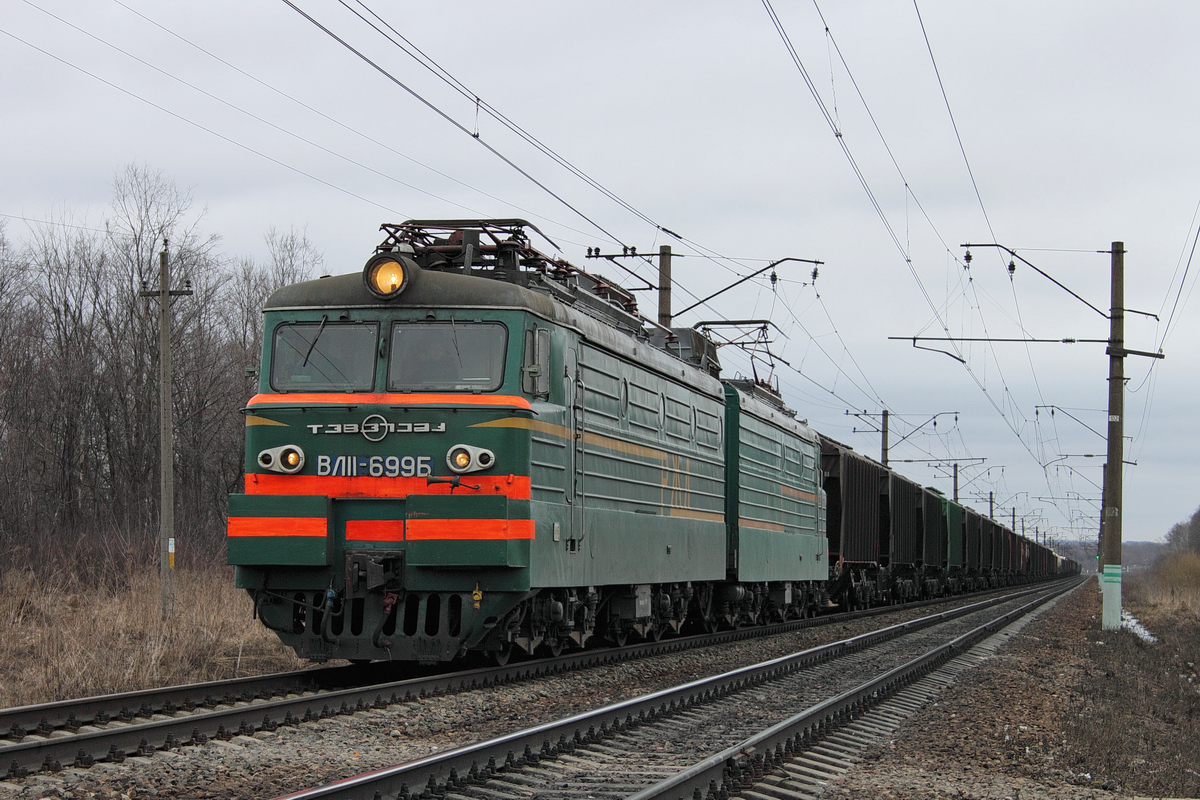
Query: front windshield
x: 324, y: 357
x: 447, y: 356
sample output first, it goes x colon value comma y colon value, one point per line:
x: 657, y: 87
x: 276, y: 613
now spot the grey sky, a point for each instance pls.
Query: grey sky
x: 1078, y: 119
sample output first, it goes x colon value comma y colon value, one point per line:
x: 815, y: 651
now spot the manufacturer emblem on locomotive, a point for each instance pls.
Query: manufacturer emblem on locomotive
x: 375, y: 427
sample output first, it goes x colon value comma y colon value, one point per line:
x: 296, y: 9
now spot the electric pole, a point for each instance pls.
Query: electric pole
x: 664, y: 285
x: 1110, y: 520
x: 166, y: 433
x: 883, y: 457
x: 1110, y: 541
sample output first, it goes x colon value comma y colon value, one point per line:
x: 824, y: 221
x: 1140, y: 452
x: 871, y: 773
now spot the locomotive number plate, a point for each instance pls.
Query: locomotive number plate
x: 376, y: 466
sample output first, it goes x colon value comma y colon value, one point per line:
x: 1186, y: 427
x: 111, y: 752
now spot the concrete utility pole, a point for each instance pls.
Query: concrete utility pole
x: 166, y: 435
x: 956, y: 482
x: 883, y: 456
x: 664, y: 285
x: 166, y: 432
x: 1110, y: 542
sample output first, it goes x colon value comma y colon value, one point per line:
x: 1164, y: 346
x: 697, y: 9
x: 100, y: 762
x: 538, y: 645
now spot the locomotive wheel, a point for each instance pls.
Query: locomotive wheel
x: 500, y: 657
x: 556, y: 646
x: 654, y: 633
x: 711, y: 624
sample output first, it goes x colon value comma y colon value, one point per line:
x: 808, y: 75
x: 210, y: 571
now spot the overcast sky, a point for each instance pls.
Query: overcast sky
x: 1078, y: 122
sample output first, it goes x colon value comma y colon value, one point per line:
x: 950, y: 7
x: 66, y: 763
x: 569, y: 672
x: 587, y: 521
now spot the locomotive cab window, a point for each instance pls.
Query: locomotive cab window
x: 447, y: 356
x: 324, y: 357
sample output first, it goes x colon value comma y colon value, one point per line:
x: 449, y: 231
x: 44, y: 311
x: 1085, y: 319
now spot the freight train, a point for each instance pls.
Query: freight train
x: 474, y: 447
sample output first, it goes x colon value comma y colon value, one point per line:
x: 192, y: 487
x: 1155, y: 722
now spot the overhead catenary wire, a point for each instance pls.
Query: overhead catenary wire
x: 1168, y: 328
x: 798, y: 63
x: 354, y: 130
x: 201, y: 127
x: 1007, y: 398
x: 247, y: 113
x: 455, y: 123
x: 407, y: 46
x: 52, y: 222
x: 474, y: 135
x: 417, y: 54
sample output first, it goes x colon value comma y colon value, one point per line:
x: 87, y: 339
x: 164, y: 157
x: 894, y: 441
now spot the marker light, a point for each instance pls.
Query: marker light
x: 467, y: 458
x: 387, y: 275
x: 288, y: 459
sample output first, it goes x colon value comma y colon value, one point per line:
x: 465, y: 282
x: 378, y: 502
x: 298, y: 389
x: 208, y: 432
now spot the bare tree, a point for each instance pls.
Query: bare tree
x: 78, y: 378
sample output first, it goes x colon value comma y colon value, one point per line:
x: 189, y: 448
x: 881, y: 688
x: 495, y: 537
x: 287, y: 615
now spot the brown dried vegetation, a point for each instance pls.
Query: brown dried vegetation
x: 1137, y: 719
x: 61, y: 639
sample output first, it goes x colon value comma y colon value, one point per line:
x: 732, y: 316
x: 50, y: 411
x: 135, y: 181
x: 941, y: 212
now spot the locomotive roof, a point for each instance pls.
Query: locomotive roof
x: 491, y: 264
x: 427, y: 288
x: 442, y: 289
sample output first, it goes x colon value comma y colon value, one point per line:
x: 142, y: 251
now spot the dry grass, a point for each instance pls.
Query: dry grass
x: 60, y: 639
x: 1174, y: 584
x: 1137, y: 714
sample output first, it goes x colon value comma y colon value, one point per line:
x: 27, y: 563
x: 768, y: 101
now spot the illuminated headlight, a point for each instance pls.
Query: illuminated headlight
x: 288, y: 459
x: 387, y: 275
x: 465, y: 458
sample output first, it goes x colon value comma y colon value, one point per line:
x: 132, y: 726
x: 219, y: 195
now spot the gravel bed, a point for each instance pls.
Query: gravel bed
x: 313, y: 753
x: 637, y: 759
x: 999, y: 732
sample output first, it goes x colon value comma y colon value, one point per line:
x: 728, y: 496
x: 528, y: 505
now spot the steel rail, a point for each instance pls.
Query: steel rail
x: 67, y: 733
x: 475, y: 763
x: 41, y: 719
x: 738, y: 767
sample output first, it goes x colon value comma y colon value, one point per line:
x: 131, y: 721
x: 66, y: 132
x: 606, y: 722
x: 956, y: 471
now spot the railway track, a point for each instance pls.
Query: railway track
x: 78, y: 733
x: 744, y: 721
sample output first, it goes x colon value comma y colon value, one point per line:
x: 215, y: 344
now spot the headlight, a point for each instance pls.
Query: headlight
x: 387, y: 275
x: 465, y: 458
x: 291, y: 459
x: 460, y: 459
x: 288, y: 459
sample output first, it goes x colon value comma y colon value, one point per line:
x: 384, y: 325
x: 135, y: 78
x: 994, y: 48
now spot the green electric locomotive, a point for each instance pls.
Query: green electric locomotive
x: 471, y: 446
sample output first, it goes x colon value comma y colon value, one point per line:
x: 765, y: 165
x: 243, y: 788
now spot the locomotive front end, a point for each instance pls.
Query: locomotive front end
x: 386, y: 506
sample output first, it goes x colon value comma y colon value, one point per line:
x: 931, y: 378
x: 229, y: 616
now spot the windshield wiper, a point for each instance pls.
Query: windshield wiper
x: 454, y: 340
x: 321, y: 327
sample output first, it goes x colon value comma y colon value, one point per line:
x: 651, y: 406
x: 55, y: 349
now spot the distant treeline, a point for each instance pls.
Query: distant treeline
x: 1185, y: 536
x: 79, y: 442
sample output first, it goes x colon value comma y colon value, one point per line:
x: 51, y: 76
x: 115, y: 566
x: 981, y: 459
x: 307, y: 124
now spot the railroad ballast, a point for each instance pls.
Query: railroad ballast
x: 472, y: 446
